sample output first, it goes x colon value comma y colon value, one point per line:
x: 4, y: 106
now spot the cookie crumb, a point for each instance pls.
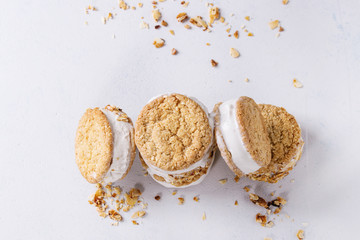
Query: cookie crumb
x: 250, y: 34
x: 158, y: 42
x: 234, y: 53
x: 174, y: 192
x: 236, y: 34
x: 297, y: 83
x: 157, y: 197
x: 204, y: 216
x: 173, y: 51
x: 144, y: 25
x: 156, y: 15
x: 267, y: 238
x: 214, y: 14
x: 164, y: 23
x: 196, y: 199
x: 236, y: 203
x: 138, y: 214
x: 259, y: 218
x: 300, y: 234
x: 181, y: 201
x: 182, y: 17
x: 172, y: 32
x: 285, y: 2
x: 274, y: 24
x: 258, y: 200
x: 246, y: 80
x: 246, y: 188
x: 247, y: 18
x: 208, y: 44
x: 223, y: 181
x: 214, y: 63
x: 135, y: 222
x: 236, y: 178
x: 187, y: 26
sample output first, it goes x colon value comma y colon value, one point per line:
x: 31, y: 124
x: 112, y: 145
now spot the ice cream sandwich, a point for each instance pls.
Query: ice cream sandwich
x: 104, y: 144
x: 241, y: 135
x: 286, y: 144
x: 174, y: 135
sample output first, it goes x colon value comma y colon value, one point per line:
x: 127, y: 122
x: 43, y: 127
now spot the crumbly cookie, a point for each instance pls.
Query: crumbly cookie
x: 173, y: 132
x: 105, y: 144
x: 241, y: 135
x: 286, y: 144
x: 93, y: 145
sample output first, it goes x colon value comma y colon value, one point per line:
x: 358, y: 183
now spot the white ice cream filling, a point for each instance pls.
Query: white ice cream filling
x: 206, y: 160
x: 122, y: 148
x: 230, y: 131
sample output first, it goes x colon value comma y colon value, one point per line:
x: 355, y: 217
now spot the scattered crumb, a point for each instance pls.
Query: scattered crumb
x: 246, y: 80
x: 285, y: 2
x: 173, y: 51
x: 199, y: 22
x: 259, y: 218
x: 214, y: 63
x: 144, y: 25
x: 269, y: 224
x: 172, y: 32
x: 86, y: 23
x: 123, y: 5
x: 274, y: 24
x: 297, y: 84
x: 246, y: 188
x: 184, y: 4
x: 157, y: 26
x: 214, y: 14
x: 287, y: 216
x: 138, y: 214
x: 236, y: 203
x: 281, y: 29
x: 267, y: 238
x: 135, y: 222
x: 181, y: 201
x: 236, y: 178
x: 157, y: 197
x: 230, y: 81
x: 223, y: 181
x: 236, y: 34
x: 234, y: 53
x: 164, y: 23
x: 204, y: 217
x: 305, y: 224
x: 277, y: 35
x: 103, y: 20
x: 174, y: 192
x: 247, y: 18
x: 300, y: 234
x: 196, y: 199
x: 222, y: 20
x: 208, y: 44
x: 292, y: 180
x: 258, y: 200
x: 182, y: 17
x: 187, y: 26
x: 242, y: 26
x: 272, y: 193
x: 250, y: 34
x: 156, y: 15
x: 140, y: 5
x: 114, y: 215
x: 158, y: 42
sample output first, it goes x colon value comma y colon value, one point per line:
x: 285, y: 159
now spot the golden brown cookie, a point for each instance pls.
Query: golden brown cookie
x: 286, y: 144
x: 241, y: 135
x: 174, y: 135
x: 104, y: 144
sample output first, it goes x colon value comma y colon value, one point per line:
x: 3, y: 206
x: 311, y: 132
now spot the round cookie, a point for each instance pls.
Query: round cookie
x: 174, y: 135
x: 104, y: 144
x: 286, y: 144
x: 241, y: 135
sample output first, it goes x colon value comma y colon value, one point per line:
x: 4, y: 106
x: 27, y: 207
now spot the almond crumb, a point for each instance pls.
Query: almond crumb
x: 158, y: 42
x: 213, y: 63
x: 156, y: 15
x: 297, y: 83
x: 234, y: 53
x: 182, y: 17
x: 300, y: 234
x: 223, y: 181
x: 274, y: 24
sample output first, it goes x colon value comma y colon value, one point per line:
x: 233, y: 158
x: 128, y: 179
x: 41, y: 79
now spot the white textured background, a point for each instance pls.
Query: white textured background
x: 53, y: 67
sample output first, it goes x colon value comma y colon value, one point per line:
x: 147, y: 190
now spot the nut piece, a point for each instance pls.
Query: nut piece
x: 261, y: 219
x: 114, y: 215
x: 182, y: 17
x: 181, y: 200
x: 234, y: 53
x: 138, y: 214
x: 214, y: 14
x: 274, y: 24
x: 213, y: 63
x: 297, y: 84
x: 173, y: 51
x: 223, y: 181
x: 258, y: 200
x: 158, y: 42
x: 156, y: 14
x: 157, y: 198
x: 236, y: 34
x: 198, y: 21
x: 123, y: 5
x: 300, y: 234
x: 164, y: 23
